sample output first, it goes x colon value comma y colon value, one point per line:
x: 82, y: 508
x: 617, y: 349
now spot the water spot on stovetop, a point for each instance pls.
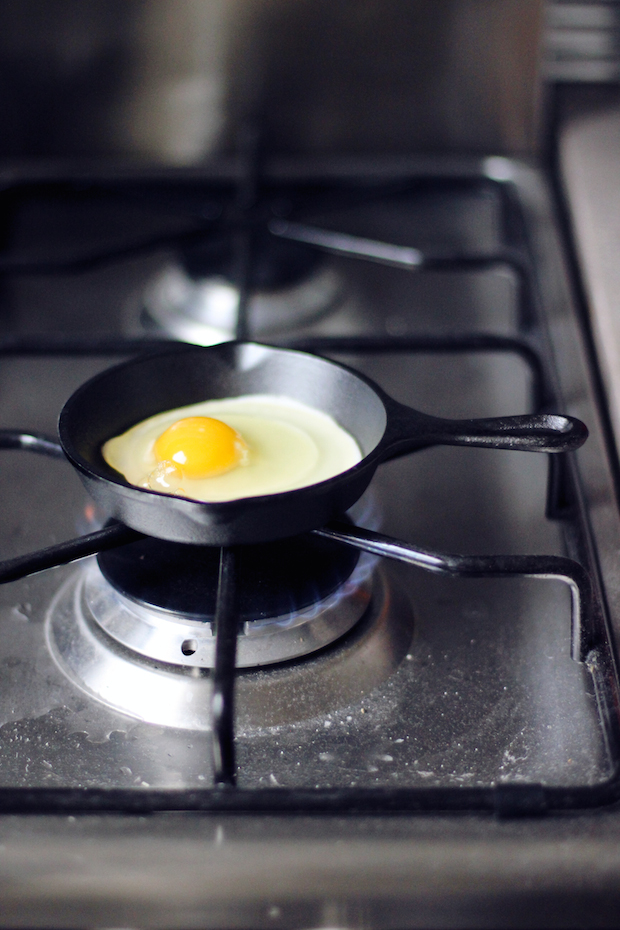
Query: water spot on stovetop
x: 99, y: 734
x: 50, y: 750
x: 22, y: 612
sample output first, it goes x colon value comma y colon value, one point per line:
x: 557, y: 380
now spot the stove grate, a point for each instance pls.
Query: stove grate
x: 242, y: 218
x: 505, y: 799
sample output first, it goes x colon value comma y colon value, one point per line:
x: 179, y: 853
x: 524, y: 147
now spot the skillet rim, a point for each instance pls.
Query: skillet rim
x: 369, y: 461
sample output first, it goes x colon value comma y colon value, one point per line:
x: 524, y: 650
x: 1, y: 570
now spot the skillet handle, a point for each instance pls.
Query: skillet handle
x: 408, y: 430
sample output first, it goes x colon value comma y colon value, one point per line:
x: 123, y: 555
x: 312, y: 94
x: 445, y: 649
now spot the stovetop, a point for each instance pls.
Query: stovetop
x: 476, y: 687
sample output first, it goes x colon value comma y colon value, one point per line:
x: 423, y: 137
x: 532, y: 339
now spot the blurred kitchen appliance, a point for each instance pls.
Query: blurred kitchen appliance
x: 177, y: 81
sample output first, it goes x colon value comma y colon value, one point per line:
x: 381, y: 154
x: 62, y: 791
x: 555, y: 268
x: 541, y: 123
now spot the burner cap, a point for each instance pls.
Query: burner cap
x: 275, y: 579
x: 195, y: 297
x: 277, y: 263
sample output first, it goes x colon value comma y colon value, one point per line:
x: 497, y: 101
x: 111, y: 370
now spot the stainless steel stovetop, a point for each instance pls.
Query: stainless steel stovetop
x: 447, y: 684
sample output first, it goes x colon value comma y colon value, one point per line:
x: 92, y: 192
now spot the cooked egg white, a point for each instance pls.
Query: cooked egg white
x: 280, y: 444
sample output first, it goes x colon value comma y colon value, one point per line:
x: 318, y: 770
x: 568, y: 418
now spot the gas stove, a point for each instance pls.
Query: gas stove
x: 444, y: 647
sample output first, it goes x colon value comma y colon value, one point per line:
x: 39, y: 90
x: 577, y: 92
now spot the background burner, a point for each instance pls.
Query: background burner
x: 196, y: 298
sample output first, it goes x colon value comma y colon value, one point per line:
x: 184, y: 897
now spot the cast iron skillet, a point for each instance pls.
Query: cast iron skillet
x: 124, y: 395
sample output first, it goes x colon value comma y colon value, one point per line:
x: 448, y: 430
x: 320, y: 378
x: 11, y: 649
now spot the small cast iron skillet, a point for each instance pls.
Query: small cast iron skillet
x: 124, y: 395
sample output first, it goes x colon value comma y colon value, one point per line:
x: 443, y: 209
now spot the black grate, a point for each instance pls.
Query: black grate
x: 242, y: 215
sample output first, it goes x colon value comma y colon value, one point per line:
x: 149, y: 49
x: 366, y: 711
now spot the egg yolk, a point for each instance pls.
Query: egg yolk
x: 202, y: 446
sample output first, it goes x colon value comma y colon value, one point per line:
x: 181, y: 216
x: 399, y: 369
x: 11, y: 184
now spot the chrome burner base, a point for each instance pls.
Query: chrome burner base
x: 179, y: 639
x: 178, y: 695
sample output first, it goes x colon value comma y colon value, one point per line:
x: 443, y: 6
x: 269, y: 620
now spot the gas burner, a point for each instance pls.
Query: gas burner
x: 152, y: 664
x: 296, y: 596
x: 196, y: 300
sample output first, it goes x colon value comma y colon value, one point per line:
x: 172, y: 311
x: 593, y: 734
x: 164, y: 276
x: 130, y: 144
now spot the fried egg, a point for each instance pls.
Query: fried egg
x: 221, y: 450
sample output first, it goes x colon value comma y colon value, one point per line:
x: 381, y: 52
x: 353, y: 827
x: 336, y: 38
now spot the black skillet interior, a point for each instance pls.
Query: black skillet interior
x: 110, y: 403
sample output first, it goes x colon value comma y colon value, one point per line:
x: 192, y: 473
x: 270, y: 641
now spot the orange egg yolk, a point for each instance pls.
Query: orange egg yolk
x: 202, y: 446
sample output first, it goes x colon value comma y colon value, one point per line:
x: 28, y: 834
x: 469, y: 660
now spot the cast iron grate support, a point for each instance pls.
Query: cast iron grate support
x: 223, y: 679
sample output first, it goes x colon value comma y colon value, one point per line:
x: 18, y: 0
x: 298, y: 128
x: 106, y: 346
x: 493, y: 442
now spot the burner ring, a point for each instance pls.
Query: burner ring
x: 162, y: 636
x: 179, y: 696
x: 204, y: 311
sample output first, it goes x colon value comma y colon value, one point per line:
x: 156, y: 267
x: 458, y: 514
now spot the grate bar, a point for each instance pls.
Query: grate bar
x: 457, y: 343
x: 386, y: 253
x: 533, y: 566
x: 408, y: 258
x: 223, y: 693
x: 30, y: 442
x: 108, y: 538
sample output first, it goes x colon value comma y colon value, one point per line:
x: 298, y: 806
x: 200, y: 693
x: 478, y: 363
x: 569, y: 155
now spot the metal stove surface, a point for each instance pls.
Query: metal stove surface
x: 486, y: 692
x: 487, y: 689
